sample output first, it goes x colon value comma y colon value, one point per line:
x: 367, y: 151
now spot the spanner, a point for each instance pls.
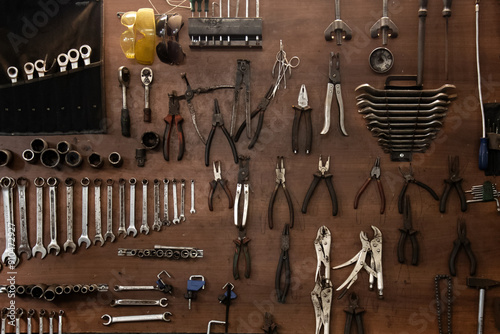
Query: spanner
x: 39, y: 183
x: 19, y: 314
x: 131, y: 226
x: 166, y: 220
x: 156, y: 221
x: 174, y: 191
x: 163, y: 302
x: 9, y: 255
x: 24, y: 246
x: 73, y: 56
x: 69, y: 182
x: 135, y: 318
x: 59, y: 323
x: 85, y: 214
x: 183, y: 199
x: 121, y: 194
x: 31, y: 313
x: 52, y: 314
x: 41, y: 314
x: 5, y: 312
x: 52, y: 183
x: 192, y: 198
x: 144, y: 225
x: 109, y: 216
x: 98, y: 216
x: 29, y: 69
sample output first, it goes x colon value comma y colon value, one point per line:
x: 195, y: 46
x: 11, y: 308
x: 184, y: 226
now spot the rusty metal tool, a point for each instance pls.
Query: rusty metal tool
x: 338, y: 29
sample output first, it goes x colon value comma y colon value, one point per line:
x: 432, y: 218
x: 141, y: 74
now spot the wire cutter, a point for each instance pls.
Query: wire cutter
x: 242, y: 78
x: 322, y: 174
x: 374, y: 175
x: 213, y: 185
x: 454, y: 180
x: 354, y: 311
x: 243, y: 175
x: 302, y: 108
x: 334, y: 84
x: 217, y: 121
x: 408, y: 231
x: 284, y: 261
x: 462, y: 240
x: 280, y: 180
x: 321, y: 295
x: 173, y: 119
x: 408, y: 176
x: 373, y: 247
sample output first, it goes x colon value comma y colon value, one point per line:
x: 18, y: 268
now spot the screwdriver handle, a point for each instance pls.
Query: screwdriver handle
x: 483, y: 154
x: 447, y: 8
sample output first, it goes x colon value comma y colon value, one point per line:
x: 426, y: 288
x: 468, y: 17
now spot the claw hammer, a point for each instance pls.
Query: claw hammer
x: 482, y: 284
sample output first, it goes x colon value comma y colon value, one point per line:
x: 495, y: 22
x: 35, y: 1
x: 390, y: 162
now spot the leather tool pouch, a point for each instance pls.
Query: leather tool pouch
x: 69, y: 102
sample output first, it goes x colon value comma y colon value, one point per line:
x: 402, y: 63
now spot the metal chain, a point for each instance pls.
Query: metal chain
x: 448, y: 301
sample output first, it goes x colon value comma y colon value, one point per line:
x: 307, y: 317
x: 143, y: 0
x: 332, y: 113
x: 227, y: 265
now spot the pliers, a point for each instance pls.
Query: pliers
x: 302, y: 108
x: 334, y: 84
x: 354, y: 311
x: 243, y: 175
x: 173, y: 119
x: 284, y: 261
x: 242, y: 78
x: 408, y: 176
x: 462, y: 240
x: 374, y: 175
x: 280, y: 180
x: 454, y: 180
x: 241, y: 242
x: 408, y: 231
x: 322, y: 174
x: 213, y: 185
x: 217, y: 121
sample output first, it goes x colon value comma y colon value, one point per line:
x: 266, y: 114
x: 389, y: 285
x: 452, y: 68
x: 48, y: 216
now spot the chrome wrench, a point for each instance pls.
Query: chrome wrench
x: 5, y: 312
x: 174, y: 188
x: 144, y: 226
x: 163, y: 302
x: 183, y: 199
x: 135, y: 318
x: 59, y: 323
x: 98, y: 214
x: 69, y: 182
x: 85, y: 214
x: 109, y: 215
x: 156, y: 221
x: 52, y: 314
x: 19, y: 314
x: 24, y: 246
x: 39, y: 248
x: 121, y: 194
x: 166, y: 220
x: 131, y: 226
x: 40, y: 321
x: 52, y: 183
x: 9, y: 254
x: 29, y: 318
x: 192, y: 198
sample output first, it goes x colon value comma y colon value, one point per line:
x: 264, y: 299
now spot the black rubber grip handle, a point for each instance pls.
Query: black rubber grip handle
x: 307, y: 119
x: 401, y: 197
x: 401, y: 246
x: 257, y: 131
x: 382, y: 196
x: 310, y: 192
x: 414, y: 247
x: 180, y: 136
x: 231, y: 144
x: 147, y: 115
x: 270, y: 207
x: 453, y: 257
x: 295, y: 129
x: 213, y: 186
x: 125, y: 122
x: 166, y: 138
x: 290, y: 206
x: 333, y: 196
x: 208, y: 145
x: 461, y: 195
x: 472, y: 258
x: 444, y: 197
x: 429, y: 189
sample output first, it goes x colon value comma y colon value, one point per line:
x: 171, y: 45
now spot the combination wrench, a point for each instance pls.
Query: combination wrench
x: 69, y: 244
x: 39, y: 248
x: 52, y: 314
x: 174, y: 191
x: 98, y: 214
x: 135, y: 318
x: 19, y: 314
x: 166, y: 220
x: 109, y: 216
x: 5, y: 312
x: 41, y: 314
x: 52, y: 183
x: 85, y: 214
x: 192, y: 198
x: 163, y: 302
x: 24, y: 246
x: 59, y: 323
x: 131, y: 227
x: 183, y: 200
x: 121, y: 196
x: 156, y: 220
x: 9, y: 255
x: 144, y: 225
x: 29, y: 318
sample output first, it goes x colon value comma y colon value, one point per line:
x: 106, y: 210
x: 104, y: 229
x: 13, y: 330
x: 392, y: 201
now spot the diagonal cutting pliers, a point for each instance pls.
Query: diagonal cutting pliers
x: 242, y: 79
x: 356, y: 312
x: 302, y: 108
x: 213, y: 185
x: 462, y: 240
x: 334, y: 85
x: 173, y: 119
x: 409, y: 178
x: 374, y: 175
x: 408, y: 231
x: 284, y: 262
x: 280, y: 181
x: 455, y: 181
x: 322, y: 173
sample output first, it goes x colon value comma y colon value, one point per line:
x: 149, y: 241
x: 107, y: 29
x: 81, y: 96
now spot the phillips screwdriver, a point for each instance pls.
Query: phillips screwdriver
x: 446, y: 15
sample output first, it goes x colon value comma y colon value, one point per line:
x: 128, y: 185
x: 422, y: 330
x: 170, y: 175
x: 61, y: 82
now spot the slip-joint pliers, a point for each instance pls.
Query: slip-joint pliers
x: 213, y: 185
x: 408, y: 231
x: 454, y: 180
x: 173, y: 119
x: 322, y: 174
x: 217, y: 121
x: 374, y: 175
x: 334, y: 85
x: 280, y: 181
x: 284, y: 261
x: 462, y: 240
x: 302, y: 108
x: 408, y: 176
x: 354, y: 311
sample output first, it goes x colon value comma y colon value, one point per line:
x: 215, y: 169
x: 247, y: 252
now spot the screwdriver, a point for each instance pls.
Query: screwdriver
x: 446, y: 15
x: 483, y: 144
x: 199, y: 7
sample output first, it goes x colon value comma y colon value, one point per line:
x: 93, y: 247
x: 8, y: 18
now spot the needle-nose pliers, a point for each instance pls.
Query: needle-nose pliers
x: 213, y: 185
x: 407, y: 231
x: 374, y: 175
x: 462, y: 240
x: 284, y: 261
x: 455, y: 181
x: 280, y: 180
x: 409, y: 178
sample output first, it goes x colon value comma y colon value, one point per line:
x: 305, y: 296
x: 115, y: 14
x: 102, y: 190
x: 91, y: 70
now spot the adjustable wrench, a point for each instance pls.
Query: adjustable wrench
x: 174, y: 188
x: 52, y: 183
x: 9, y: 254
x: 140, y: 302
x: 52, y: 314
x: 183, y: 199
x: 109, y: 216
x: 39, y: 183
x: 166, y: 220
x: 19, y: 314
x: 24, y: 246
x: 121, y: 194
x: 41, y: 314
x: 98, y: 215
x: 31, y: 313
x: 131, y: 226
x: 59, y: 323
x: 69, y: 182
x: 192, y: 198
x: 144, y: 225
x: 135, y: 318
x: 157, y: 221
x: 85, y: 214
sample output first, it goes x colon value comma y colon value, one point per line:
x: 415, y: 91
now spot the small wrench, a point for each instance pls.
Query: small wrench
x: 174, y: 188
x: 69, y: 182
x: 166, y: 220
x: 39, y: 248
x: 109, y: 221
x: 5, y: 312
x: 63, y: 61
x: 144, y: 225
x: 40, y: 321
x: 40, y: 67
x: 24, y: 246
x: 163, y: 302
x: 29, y: 69
x: 52, y: 314
x: 192, y: 198
x: 183, y: 199
x: 131, y: 226
x: 134, y: 318
x: 59, y: 323
x: 98, y: 215
x: 9, y: 254
x: 85, y: 214
x: 31, y: 313
x: 85, y: 52
x: 121, y: 194
x: 19, y: 314
x: 73, y: 56
x: 157, y: 221
x: 52, y: 183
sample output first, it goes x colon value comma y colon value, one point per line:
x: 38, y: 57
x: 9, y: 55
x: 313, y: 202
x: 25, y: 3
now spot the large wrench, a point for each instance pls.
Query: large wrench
x: 131, y: 226
x: 85, y: 214
x: 163, y: 302
x: 19, y: 314
x: 24, y: 246
x: 192, y: 198
x: 166, y: 220
x: 52, y: 183
x: 109, y: 216
x: 157, y: 220
x: 135, y: 318
x: 39, y: 248
x: 144, y: 225
x: 183, y: 199
x: 98, y: 215
x: 121, y: 195
x: 69, y: 182
x: 9, y: 255
x: 174, y: 188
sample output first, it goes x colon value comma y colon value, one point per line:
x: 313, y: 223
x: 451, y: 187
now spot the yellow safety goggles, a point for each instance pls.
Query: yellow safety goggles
x: 138, y: 41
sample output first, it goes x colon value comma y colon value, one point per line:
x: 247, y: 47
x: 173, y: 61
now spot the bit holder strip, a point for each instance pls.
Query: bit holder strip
x: 225, y: 32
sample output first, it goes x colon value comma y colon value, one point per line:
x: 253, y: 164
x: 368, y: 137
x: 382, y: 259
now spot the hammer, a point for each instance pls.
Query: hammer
x: 482, y: 284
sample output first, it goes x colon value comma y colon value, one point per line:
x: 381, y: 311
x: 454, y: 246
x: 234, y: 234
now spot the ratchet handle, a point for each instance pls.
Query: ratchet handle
x: 483, y: 154
x: 125, y: 122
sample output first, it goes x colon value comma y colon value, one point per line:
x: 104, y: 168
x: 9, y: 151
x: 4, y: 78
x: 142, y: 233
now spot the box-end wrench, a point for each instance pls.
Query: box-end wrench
x: 156, y: 219
x: 166, y: 220
x: 174, y: 192
x: 19, y: 314
x: 41, y: 314
x: 52, y: 183
x: 39, y: 248
x: 163, y: 302
x: 144, y: 226
x: 121, y: 197
x: 109, y: 209
x: 136, y: 318
x: 85, y: 214
x: 69, y: 244
x: 98, y: 214
x: 52, y: 314
x: 9, y: 255
x: 192, y: 198
x: 31, y: 314
x: 24, y: 246
x: 183, y: 200
x: 131, y: 227
x: 59, y: 323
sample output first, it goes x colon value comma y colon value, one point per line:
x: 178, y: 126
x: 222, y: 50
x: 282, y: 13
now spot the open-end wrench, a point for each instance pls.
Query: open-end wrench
x: 174, y: 191
x: 135, y: 318
x: 24, y: 246
x: 183, y: 199
x: 192, y: 198
x: 166, y: 220
x: 163, y: 302
x: 109, y: 209
x: 41, y: 314
x: 131, y: 227
x: 52, y: 183
x: 39, y: 248
x: 144, y: 226
x: 69, y: 244
x: 98, y: 214
x: 85, y: 214
x: 156, y: 219
x: 5, y: 312
x: 59, y: 323
x: 29, y: 318
x: 9, y: 255
x: 19, y: 314
x: 121, y: 196
x: 52, y: 314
